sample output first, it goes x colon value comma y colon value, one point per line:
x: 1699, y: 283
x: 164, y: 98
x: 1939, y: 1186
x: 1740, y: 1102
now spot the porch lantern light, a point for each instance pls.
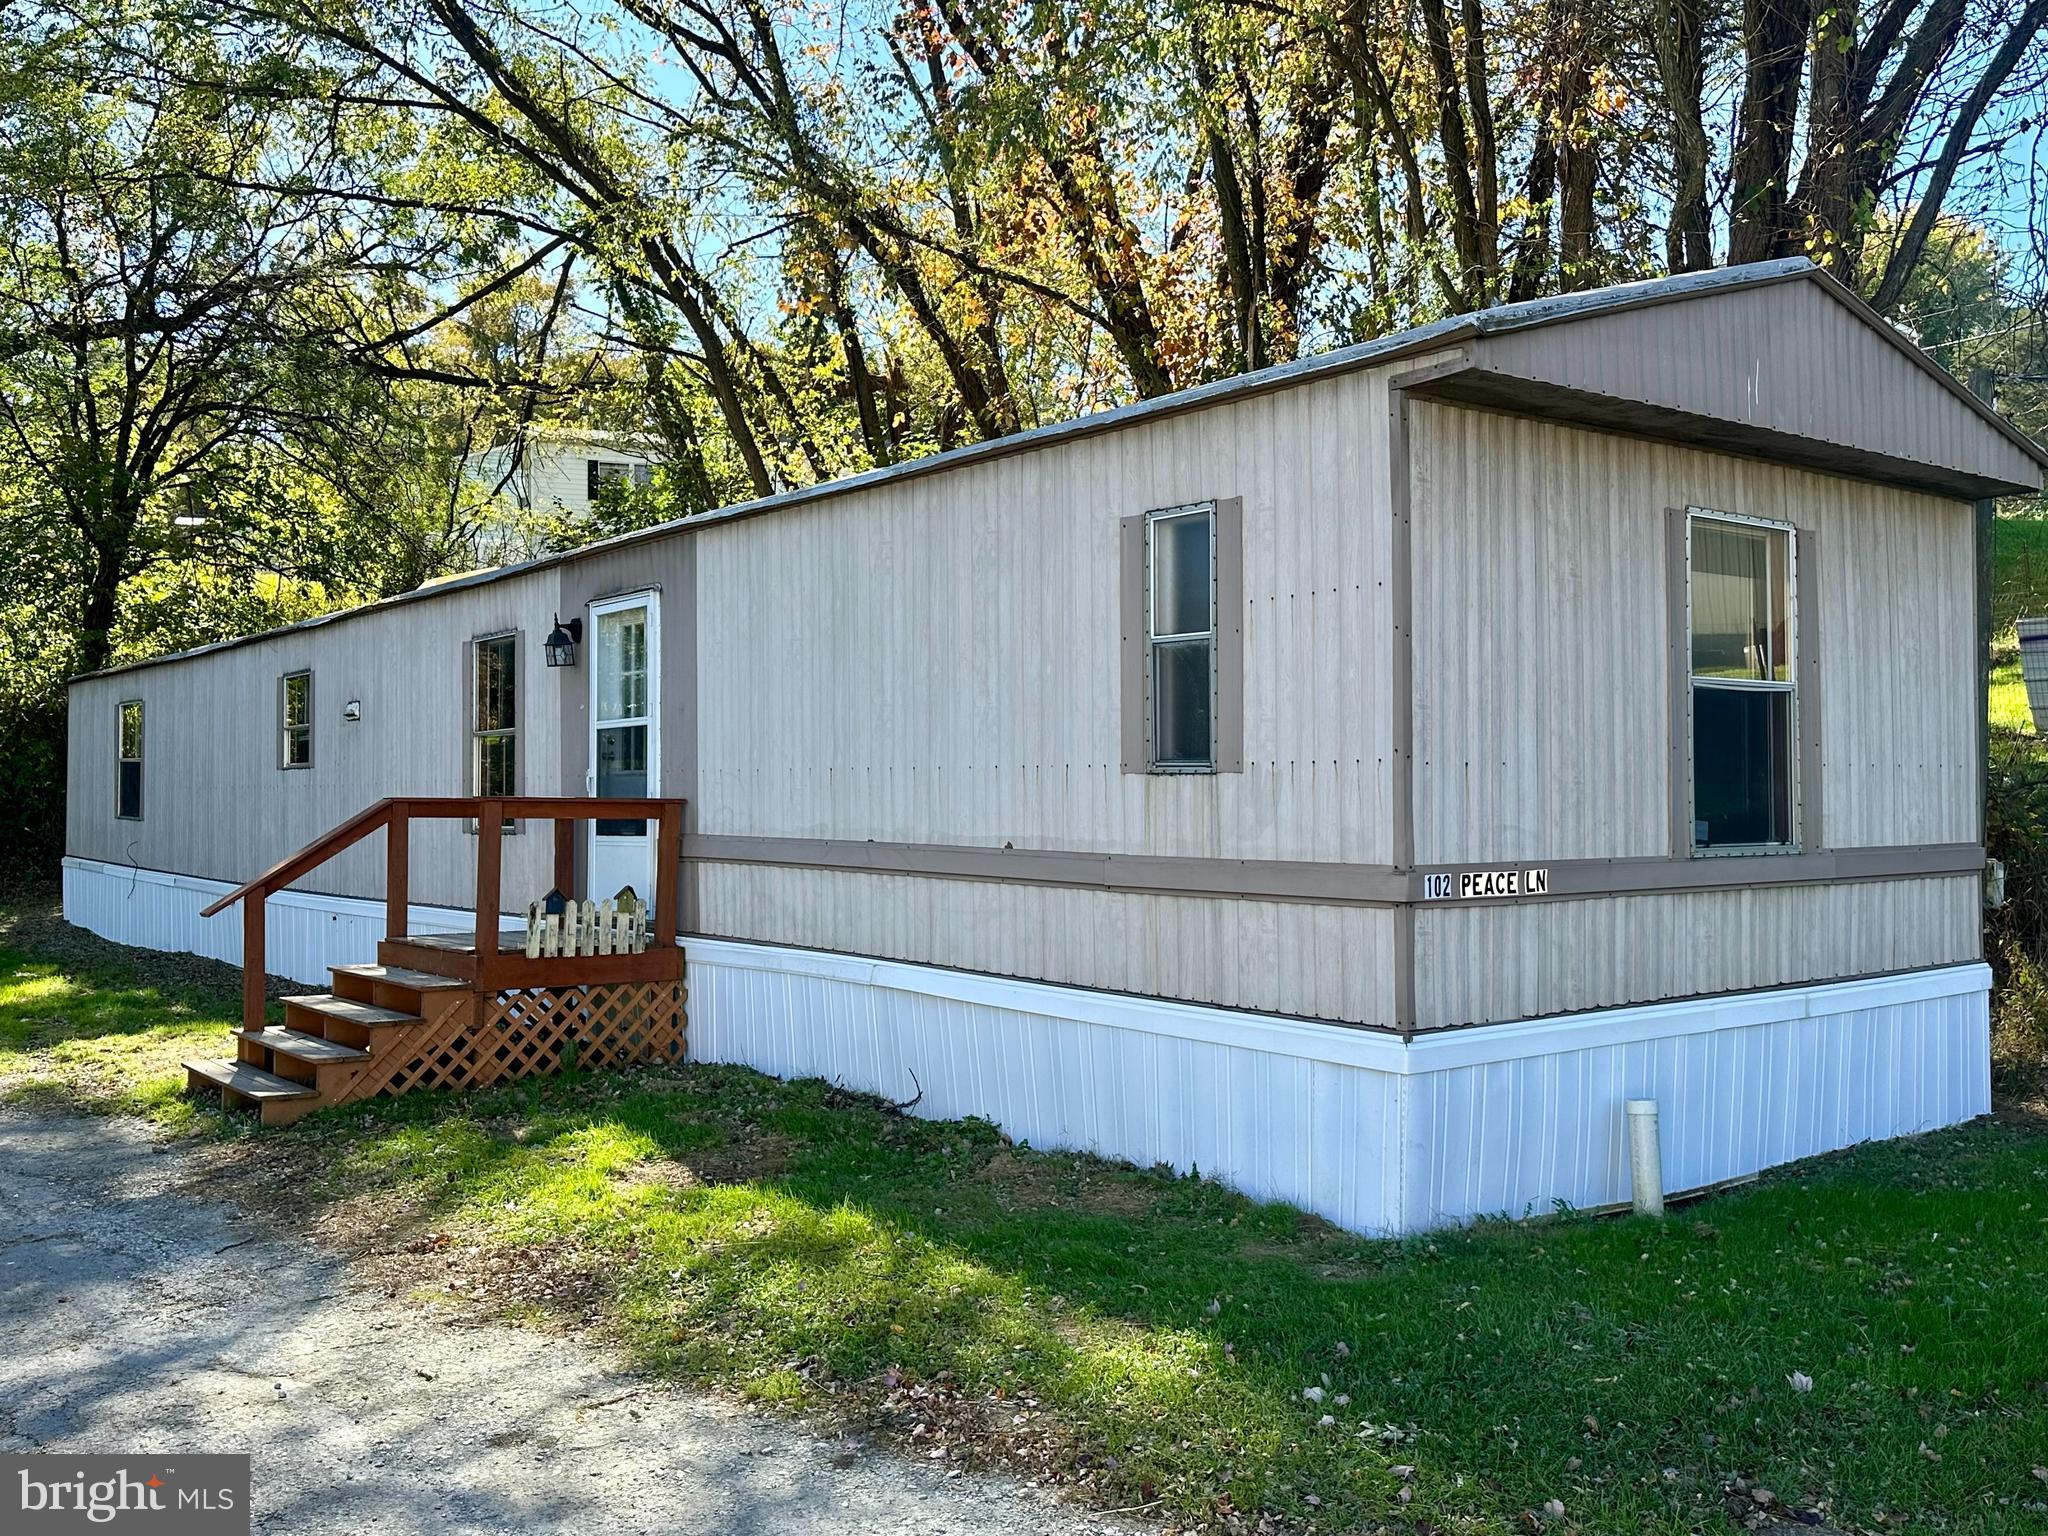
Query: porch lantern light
x: 562, y: 640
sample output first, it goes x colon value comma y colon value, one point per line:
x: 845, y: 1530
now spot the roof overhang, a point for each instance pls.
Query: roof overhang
x: 1472, y: 384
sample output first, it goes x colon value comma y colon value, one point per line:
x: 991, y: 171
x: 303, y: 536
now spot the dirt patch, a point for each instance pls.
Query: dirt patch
x: 541, y: 1280
x: 1022, y: 1180
x: 750, y: 1160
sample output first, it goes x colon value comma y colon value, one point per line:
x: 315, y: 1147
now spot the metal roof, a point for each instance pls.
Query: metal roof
x: 1502, y: 319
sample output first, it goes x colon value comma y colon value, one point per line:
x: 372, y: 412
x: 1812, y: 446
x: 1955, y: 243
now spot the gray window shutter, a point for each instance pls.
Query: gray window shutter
x: 1229, y: 756
x: 1131, y: 611
x: 1679, y: 670
x: 1806, y: 624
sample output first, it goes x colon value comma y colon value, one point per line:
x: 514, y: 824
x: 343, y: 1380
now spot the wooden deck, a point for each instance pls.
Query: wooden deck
x: 459, y: 1010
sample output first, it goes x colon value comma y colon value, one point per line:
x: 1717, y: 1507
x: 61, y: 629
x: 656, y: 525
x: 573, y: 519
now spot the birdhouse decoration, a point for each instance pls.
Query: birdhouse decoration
x: 557, y: 926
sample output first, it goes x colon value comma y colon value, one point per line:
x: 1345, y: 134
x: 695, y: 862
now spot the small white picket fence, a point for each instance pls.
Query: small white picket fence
x: 603, y: 927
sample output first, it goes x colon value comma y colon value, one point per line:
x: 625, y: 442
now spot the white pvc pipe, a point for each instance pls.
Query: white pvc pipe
x: 1645, y: 1157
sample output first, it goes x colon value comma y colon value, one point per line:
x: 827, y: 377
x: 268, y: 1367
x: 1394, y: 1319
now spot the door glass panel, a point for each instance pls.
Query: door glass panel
x: 621, y: 772
x: 622, y: 665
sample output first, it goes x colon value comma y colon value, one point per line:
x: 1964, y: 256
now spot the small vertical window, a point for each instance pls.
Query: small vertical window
x: 128, y: 768
x: 295, y: 720
x: 1180, y: 631
x: 494, y: 730
x: 1744, y: 688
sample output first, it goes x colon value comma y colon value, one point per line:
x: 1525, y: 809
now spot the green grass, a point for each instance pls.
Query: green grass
x: 1153, y: 1335
x: 2019, y: 590
x: 2019, y: 584
x: 99, y: 1037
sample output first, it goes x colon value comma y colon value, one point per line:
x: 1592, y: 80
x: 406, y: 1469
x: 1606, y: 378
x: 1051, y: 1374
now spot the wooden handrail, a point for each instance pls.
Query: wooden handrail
x: 396, y: 814
x: 310, y: 857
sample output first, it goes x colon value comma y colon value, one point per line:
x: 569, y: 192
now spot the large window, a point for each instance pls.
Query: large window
x: 1744, y: 690
x: 128, y: 768
x: 1180, y: 631
x: 494, y: 721
x: 295, y: 720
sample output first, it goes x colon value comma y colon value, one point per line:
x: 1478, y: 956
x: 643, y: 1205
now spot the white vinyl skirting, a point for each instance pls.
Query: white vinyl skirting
x: 1374, y: 1135
x: 303, y: 932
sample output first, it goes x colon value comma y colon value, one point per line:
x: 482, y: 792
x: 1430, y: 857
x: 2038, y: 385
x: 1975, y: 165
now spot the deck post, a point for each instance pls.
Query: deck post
x: 490, y: 853
x: 667, y: 859
x: 253, y: 971
x: 397, y: 871
x: 565, y: 856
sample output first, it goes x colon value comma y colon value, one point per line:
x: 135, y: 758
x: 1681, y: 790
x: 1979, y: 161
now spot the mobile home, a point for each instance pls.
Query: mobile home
x: 1354, y: 780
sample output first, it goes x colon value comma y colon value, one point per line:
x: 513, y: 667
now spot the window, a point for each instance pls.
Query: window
x: 1744, y: 689
x: 494, y: 719
x: 604, y: 472
x: 295, y: 720
x: 1180, y: 635
x: 128, y: 768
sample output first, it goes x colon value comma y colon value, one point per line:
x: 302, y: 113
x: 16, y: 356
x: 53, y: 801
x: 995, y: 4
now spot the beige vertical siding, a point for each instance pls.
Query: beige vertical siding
x: 217, y: 805
x: 1280, y: 957
x: 1479, y: 965
x: 1541, y: 719
x: 1787, y: 358
x: 1540, y: 713
x: 936, y: 661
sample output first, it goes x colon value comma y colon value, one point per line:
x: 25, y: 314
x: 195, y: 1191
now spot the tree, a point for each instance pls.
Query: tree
x: 187, y: 306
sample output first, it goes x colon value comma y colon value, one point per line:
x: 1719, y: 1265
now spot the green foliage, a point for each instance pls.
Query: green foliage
x: 2016, y: 935
x: 32, y: 772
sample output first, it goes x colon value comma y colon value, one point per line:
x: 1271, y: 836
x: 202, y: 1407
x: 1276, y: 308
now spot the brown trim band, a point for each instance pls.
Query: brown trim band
x: 1329, y: 884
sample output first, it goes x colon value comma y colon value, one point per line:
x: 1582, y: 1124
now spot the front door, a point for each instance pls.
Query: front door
x: 625, y: 738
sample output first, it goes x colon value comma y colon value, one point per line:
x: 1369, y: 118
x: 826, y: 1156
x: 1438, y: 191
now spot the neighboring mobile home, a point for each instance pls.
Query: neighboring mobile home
x: 1354, y: 780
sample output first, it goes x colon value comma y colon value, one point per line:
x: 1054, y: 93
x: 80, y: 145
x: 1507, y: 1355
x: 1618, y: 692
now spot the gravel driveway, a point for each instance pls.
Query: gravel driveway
x: 133, y: 1318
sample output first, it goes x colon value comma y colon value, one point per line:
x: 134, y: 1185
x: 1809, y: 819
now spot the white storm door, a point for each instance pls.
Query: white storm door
x: 625, y: 738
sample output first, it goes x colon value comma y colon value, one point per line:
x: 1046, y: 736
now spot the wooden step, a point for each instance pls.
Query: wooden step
x: 278, y: 1100
x: 348, y: 1010
x: 400, y: 976
x: 311, y: 1049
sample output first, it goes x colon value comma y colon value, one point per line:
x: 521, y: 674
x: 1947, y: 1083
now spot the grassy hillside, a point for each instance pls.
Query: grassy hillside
x: 2019, y: 588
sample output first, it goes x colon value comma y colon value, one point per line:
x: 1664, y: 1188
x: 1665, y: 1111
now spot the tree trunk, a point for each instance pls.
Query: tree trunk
x: 1688, y: 235
x: 1578, y: 164
x: 101, y: 609
x: 1248, y: 345
x: 1774, y: 51
x: 1473, y: 273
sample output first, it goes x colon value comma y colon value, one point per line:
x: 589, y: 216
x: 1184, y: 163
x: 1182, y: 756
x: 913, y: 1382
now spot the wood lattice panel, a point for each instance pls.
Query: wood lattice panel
x: 526, y: 1032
